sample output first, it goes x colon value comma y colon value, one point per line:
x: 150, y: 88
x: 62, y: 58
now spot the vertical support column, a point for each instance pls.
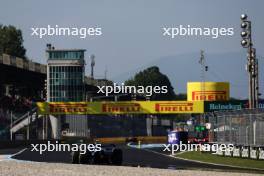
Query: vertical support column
x: 7, y: 89
x: 149, y: 126
x: 256, y: 81
x: 149, y: 120
x: 46, y: 126
x: 11, y: 126
x: 225, y: 128
x: 28, y: 126
x: 254, y: 131
x: 230, y: 128
x: 43, y: 127
x: 48, y: 84
x: 251, y: 131
x: 55, y: 126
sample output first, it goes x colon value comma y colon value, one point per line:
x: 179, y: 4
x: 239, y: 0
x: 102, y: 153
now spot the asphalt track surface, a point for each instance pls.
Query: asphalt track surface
x: 131, y: 157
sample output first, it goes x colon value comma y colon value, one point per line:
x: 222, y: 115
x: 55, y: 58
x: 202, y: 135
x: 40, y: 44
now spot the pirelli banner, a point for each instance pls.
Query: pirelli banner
x: 208, y: 91
x: 124, y: 107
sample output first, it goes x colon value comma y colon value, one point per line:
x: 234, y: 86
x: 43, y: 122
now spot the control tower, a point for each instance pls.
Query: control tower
x: 65, y: 74
x: 65, y: 83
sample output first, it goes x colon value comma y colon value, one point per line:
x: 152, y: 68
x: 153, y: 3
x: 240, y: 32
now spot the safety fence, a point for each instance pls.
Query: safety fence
x: 242, y: 128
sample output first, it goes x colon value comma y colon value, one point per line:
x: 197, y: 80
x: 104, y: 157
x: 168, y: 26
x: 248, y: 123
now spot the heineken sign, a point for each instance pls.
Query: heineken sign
x: 210, y: 106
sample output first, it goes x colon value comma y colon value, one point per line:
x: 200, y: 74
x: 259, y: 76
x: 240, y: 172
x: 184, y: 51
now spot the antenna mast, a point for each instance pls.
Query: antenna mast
x: 202, y: 63
x: 105, y: 73
x: 92, y: 57
x: 204, y: 68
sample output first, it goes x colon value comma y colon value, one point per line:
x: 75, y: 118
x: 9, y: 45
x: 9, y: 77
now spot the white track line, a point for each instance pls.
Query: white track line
x: 203, y: 162
x: 9, y: 157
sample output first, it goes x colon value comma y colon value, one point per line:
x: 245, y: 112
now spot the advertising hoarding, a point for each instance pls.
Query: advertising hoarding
x: 228, y: 105
x: 207, y: 91
x: 124, y: 107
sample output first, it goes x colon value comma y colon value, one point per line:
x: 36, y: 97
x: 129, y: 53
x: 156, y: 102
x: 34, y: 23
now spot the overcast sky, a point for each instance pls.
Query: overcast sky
x: 132, y: 30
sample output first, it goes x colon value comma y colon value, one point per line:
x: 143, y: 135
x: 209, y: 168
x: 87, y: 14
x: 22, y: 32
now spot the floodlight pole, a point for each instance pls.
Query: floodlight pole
x: 252, y: 64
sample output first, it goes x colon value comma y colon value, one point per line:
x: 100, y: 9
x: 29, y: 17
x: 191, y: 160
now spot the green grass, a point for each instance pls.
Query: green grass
x: 207, y: 157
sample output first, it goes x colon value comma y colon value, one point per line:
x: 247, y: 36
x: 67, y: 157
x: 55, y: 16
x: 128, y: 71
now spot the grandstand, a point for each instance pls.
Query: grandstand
x: 22, y: 83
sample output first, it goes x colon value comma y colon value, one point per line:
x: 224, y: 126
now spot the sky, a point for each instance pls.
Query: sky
x: 132, y: 30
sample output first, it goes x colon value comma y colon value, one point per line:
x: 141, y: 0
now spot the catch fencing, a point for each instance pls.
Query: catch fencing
x: 240, y: 127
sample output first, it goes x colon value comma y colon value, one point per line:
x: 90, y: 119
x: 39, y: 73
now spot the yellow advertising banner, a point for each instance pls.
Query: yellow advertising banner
x: 124, y: 107
x: 207, y: 91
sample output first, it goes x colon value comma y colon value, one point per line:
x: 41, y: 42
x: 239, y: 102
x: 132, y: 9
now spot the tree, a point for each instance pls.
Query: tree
x: 181, y: 96
x: 11, y: 41
x: 153, y: 77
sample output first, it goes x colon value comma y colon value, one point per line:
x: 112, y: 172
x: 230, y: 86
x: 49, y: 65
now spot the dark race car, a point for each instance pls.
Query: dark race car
x: 109, y: 154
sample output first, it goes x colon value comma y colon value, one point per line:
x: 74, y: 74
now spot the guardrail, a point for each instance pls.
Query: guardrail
x: 143, y: 139
x: 30, y: 112
x: 241, y: 151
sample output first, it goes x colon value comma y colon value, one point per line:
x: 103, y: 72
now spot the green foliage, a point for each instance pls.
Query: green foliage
x: 215, y: 159
x: 181, y: 96
x: 11, y: 41
x: 153, y: 77
x: 234, y: 99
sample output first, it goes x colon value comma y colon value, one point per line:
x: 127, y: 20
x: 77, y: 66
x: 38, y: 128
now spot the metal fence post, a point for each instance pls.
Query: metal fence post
x: 230, y: 128
x: 242, y: 127
x: 28, y: 126
x: 250, y: 136
x: 11, y: 126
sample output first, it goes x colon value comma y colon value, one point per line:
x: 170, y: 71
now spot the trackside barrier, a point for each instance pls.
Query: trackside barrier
x: 245, y: 152
x: 228, y: 153
x: 7, y: 144
x: 219, y: 152
x: 256, y: 153
x: 237, y: 151
x: 121, y: 107
x: 143, y: 139
x: 261, y: 153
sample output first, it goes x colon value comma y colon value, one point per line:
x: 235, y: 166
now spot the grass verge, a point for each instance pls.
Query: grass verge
x: 216, y: 159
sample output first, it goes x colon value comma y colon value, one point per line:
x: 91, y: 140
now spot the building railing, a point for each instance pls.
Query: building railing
x: 22, y: 63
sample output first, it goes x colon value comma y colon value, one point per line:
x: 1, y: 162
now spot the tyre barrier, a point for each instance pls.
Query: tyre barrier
x: 245, y: 152
x: 228, y: 153
x: 254, y: 153
x: 261, y: 153
x: 237, y: 151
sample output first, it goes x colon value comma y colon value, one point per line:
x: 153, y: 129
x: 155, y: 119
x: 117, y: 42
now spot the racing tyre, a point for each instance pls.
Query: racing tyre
x: 97, y: 157
x: 75, y: 158
x: 85, y: 158
x: 117, y: 157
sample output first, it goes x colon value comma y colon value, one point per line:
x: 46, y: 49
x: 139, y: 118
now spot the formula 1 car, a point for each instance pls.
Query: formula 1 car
x: 109, y: 154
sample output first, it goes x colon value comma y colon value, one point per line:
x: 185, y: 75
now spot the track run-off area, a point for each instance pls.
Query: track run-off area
x: 133, y: 158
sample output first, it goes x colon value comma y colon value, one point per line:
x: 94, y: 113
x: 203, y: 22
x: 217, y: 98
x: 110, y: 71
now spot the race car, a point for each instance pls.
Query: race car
x: 109, y: 154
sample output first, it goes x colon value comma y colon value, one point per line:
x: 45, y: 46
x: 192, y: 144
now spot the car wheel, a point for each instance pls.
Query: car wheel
x: 75, y: 158
x: 117, y: 157
x: 85, y: 158
x: 97, y: 158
